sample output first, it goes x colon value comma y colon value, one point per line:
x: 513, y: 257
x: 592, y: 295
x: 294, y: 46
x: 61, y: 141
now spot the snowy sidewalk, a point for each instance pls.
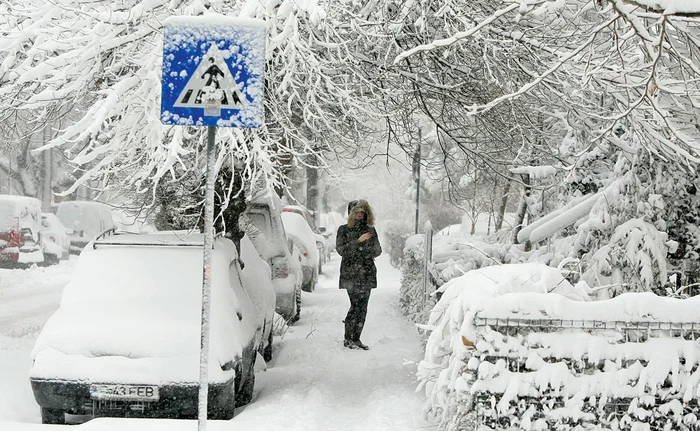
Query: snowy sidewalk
x: 313, y: 382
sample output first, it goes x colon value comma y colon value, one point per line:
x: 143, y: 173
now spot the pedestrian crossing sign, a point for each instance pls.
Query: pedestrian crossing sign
x: 213, y: 71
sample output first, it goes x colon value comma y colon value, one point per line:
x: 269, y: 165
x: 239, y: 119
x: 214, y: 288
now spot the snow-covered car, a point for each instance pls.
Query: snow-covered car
x: 329, y: 229
x: 306, y: 241
x: 54, y: 239
x: 262, y: 222
x: 84, y: 220
x: 20, y: 224
x: 322, y: 241
x: 257, y: 282
x: 125, y: 340
x: 308, y: 266
x: 125, y: 221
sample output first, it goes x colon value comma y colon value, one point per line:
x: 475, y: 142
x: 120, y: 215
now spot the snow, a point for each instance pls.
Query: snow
x: 240, y: 45
x: 295, y: 224
x: 214, y: 19
x: 153, y: 300
x: 502, y: 333
x: 671, y: 7
x: 256, y: 281
x: 548, y: 226
x: 313, y: 382
x: 27, y: 210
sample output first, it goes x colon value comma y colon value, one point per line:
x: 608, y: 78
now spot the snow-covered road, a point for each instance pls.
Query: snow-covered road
x: 313, y: 382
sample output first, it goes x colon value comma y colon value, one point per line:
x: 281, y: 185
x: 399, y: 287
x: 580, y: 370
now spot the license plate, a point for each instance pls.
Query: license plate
x: 124, y: 392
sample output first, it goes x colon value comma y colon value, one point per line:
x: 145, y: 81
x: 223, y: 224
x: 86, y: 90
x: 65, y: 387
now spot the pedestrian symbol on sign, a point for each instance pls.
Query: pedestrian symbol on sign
x: 211, y: 86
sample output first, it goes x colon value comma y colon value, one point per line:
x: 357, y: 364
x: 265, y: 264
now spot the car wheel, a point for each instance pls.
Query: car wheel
x: 226, y: 412
x: 245, y: 395
x: 53, y: 416
x: 267, y: 353
x: 52, y: 259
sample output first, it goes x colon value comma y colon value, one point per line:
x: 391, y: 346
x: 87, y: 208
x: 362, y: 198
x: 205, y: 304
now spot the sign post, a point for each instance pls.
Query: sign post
x: 213, y: 75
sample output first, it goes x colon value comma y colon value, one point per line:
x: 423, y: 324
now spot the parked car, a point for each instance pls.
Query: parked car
x: 322, y: 237
x: 257, y: 282
x: 84, y: 220
x: 20, y: 224
x: 54, y: 239
x: 306, y: 241
x: 304, y: 212
x: 125, y: 340
x: 262, y: 222
x: 125, y: 221
x: 329, y: 229
x: 308, y: 267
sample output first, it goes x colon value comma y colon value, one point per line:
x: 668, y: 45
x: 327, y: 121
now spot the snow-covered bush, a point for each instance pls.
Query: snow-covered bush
x: 443, y: 372
x: 518, y: 347
x: 452, y: 256
x: 413, y: 301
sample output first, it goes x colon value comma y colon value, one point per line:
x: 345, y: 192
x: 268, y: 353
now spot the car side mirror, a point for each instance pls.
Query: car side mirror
x: 44, y: 223
x: 322, y: 230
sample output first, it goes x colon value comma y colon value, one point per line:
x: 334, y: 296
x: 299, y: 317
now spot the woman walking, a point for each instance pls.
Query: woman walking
x: 358, y: 245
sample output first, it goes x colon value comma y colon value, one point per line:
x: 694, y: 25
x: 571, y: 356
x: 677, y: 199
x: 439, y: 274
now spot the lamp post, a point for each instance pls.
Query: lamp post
x: 416, y: 178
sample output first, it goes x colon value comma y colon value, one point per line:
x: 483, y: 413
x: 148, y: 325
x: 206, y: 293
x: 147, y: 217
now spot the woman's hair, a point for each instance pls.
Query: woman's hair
x: 360, y: 205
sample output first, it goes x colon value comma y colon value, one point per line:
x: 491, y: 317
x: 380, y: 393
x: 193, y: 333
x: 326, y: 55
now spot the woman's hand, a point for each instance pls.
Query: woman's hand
x: 365, y: 237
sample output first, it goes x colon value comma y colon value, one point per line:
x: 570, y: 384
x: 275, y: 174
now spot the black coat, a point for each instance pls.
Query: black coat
x: 357, y: 269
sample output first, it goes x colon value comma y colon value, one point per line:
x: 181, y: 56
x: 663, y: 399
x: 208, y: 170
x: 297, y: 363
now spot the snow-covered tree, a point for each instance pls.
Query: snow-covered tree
x: 105, y: 57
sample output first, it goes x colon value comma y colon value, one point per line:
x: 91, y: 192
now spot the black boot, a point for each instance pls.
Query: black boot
x: 356, y: 336
x: 349, y: 342
x: 360, y: 345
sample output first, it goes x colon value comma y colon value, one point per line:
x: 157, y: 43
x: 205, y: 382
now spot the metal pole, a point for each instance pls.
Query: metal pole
x: 428, y: 257
x: 48, y: 169
x: 206, y: 280
x: 416, y: 171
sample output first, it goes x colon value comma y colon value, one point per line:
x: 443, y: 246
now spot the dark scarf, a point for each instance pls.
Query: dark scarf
x: 361, y: 225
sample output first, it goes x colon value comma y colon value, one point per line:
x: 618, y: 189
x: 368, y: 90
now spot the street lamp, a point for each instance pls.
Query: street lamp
x: 416, y: 178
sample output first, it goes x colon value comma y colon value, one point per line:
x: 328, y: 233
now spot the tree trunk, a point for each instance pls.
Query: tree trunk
x: 502, y: 208
x: 522, y: 207
x: 312, y: 193
x: 46, y: 196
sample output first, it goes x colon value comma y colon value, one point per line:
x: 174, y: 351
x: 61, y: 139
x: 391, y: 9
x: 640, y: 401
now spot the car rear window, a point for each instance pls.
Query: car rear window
x: 259, y: 220
x: 71, y: 216
x: 7, y: 215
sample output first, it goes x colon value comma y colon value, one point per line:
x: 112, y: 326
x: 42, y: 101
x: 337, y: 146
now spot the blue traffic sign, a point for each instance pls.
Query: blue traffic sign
x: 213, y: 71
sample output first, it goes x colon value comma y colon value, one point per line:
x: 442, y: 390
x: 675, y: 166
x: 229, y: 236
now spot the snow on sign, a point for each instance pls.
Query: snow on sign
x: 213, y: 71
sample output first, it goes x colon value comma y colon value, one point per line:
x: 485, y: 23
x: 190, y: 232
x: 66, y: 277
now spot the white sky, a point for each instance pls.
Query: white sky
x: 313, y: 382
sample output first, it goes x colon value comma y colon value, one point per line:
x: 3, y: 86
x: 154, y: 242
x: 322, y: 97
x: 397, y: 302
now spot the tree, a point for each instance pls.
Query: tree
x: 600, y: 91
x: 107, y: 58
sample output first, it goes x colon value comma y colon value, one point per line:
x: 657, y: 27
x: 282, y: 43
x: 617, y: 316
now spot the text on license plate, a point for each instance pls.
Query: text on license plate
x: 124, y: 392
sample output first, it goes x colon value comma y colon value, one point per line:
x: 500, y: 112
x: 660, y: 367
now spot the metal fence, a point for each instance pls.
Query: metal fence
x: 667, y: 407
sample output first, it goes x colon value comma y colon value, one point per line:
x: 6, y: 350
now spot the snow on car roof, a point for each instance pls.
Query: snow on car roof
x: 160, y: 238
x: 142, y: 303
x: 12, y: 206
